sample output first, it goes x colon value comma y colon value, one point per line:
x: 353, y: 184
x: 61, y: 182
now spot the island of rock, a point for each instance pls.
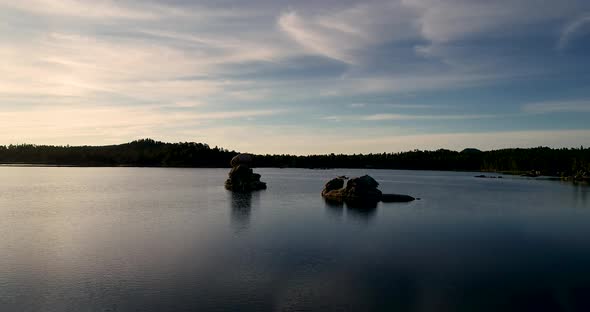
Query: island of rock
x: 359, y: 190
x: 241, y: 176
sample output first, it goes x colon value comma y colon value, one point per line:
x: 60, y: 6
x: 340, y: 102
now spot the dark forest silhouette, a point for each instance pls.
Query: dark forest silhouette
x: 150, y: 153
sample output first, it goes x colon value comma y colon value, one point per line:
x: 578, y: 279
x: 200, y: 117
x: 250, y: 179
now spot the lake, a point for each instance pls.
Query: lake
x: 158, y: 239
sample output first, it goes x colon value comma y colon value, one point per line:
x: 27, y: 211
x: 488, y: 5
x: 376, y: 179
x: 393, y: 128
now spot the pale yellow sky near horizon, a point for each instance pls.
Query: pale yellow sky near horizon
x: 294, y: 142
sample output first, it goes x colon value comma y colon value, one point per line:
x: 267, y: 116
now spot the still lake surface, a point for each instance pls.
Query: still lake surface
x: 156, y: 239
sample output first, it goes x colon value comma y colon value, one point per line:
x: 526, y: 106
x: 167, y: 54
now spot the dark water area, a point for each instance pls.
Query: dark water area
x: 154, y: 239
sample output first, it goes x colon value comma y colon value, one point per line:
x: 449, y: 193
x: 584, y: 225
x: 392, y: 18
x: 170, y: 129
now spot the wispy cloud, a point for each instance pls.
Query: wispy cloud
x: 387, y: 116
x: 313, y: 39
x: 227, y: 49
x: 122, y: 10
x: 106, y: 123
x: 342, y: 34
x: 378, y: 117
x: 570, y: 30
x: 419, y: 81
x: 579, y: 106
x: 77, y: 8
x: 444, y: 21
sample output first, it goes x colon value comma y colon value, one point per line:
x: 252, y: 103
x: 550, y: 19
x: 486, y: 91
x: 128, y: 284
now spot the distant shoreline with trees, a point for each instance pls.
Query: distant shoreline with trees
x: 563, y: 162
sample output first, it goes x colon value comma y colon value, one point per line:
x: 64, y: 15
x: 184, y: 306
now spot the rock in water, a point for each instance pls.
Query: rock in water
x: 241, y: 159
x: 364, y: 182
x: 241, y: 177
x: 333, y: 184
x: 359, y: 190
x: 396, y: 198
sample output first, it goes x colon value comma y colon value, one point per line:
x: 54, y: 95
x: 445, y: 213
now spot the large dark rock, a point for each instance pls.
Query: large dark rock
x: 333, y: 184
x: 241, y: 159
x: 359, y: 190
x: 241, y: 177
x: 365, y: 182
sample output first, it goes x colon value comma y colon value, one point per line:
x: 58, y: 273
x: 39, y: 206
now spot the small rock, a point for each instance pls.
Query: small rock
x: 241, y: 177
x: 241, y: 159
x: 396, y: 198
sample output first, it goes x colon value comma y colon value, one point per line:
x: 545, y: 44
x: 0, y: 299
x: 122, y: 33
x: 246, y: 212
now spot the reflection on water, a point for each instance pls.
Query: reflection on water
x: 581, y: 190
x: 363, y: 211
x: 241, y: 209
x: 334, y: 209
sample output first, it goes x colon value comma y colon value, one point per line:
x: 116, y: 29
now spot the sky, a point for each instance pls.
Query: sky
x: 297, y: 77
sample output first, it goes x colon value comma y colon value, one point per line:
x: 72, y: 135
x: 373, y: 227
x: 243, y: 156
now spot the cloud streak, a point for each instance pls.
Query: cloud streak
x: 388, y: 116
x: 579, y: 106
x: 571, y: 29
x: 344, y: 34
x: 82, y: 9
x: 106, y: 124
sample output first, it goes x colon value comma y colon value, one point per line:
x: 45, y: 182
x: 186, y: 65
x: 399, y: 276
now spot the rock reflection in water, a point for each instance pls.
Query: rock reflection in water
x: 581, y: 191
x: 361, y: 210
x: 241, y: 209
x: 334, y: 208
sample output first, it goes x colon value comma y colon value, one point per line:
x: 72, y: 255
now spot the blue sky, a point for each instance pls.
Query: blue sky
x: 298, y: 77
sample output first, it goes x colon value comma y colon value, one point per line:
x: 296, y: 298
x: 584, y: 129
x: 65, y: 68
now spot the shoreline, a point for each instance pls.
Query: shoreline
x: 511, y: 173
x: 519, y: 174
x: 205, y: 167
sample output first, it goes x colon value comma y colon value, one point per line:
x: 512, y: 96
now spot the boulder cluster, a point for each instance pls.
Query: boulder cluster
x: 358, y: 190
x: 241, y: 176
x: 362, y: 188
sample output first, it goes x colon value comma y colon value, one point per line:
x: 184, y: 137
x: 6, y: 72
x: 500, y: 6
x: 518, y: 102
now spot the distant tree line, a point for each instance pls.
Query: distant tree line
x: 150, y: 153
x: 143, y: 153
x: 547, y: 161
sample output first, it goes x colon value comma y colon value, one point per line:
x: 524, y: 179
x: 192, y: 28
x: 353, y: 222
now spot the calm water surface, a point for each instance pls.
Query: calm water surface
x: 139, y: 239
